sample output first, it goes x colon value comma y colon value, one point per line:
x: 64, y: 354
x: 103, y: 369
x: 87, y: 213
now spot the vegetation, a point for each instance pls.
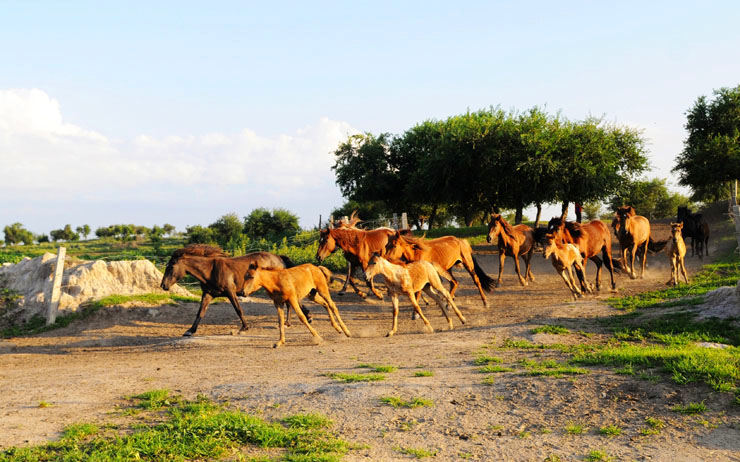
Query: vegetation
x: 419, y: 453
x: 710, y: 160
x: 16, y: 234
x: 550, y: 329
x: 395, y: 401
x: 352, y: 378
x: 378, y: 368
x: 178, y: 429
x: 650, y: 198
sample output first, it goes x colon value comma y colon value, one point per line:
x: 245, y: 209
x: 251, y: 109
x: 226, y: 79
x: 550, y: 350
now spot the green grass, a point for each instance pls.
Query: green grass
x: 549, y: 368
x: 378, y: 367
x: 485, y: 359
x: 596, y: 455
x: 419, y: 453
x: 493, y: 368
x: 191, y: 430
x: 551, y: 329
x: 690, y: 409
x: 423, y: 374
x: 490, y: 380
x: 396, y: 401
x: 352, y: 378
x: 610, y: 430
x: 44, y: 404
x: 154, y: 399
x: 575, y: 428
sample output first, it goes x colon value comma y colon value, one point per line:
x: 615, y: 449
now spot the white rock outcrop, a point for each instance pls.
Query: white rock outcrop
x: 83, y: 281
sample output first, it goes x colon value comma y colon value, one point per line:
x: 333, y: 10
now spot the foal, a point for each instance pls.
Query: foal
x: 676, y: 251
x: 288, y: 286
x: 408, y: 279
x: 564, y: 257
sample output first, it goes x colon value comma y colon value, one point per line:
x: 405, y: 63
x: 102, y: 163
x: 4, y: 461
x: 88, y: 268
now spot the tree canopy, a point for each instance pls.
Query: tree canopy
x: 711, y: 155
x: 16, y: 233
x: 650, y: 198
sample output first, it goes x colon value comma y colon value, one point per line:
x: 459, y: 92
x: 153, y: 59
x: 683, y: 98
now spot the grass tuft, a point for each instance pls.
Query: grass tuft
x: 551, y: 329
x: 395, y: 401
x: 352, y: 378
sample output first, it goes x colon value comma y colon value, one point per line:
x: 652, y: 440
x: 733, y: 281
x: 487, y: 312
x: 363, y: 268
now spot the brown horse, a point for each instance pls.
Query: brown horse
x: 219, y: 275
x: 408, y: 279
x: 514, y: 241
x: 634, y: 234
x: 676, y: 251
x: 447, y: 251
x: 591, y: 239
x: 358, y: 246
x: 564, y: 258
x: 288, y: 286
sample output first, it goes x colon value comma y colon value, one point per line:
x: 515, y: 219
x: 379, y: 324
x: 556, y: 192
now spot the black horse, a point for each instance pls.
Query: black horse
x: 695, y: 227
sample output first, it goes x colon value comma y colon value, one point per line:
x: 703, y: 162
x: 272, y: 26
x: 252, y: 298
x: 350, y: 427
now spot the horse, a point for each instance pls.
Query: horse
x: 288, y: 286
x: 676, y: 251
x: 564, y: 257
x: 514, y: 241
x: 695, y: 227
x: 358, y: 246
x: 408, y: 279
x: 446, y: 252
x: 219, y: 275
x: 634, y: 235
x: 590, y: 238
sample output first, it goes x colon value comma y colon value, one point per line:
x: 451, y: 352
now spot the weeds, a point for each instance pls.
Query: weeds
x: 423, y: 374
x: 610, y: 430
x: 378, y: 368
x: 690, y: 409
x: 416, y: 452
x: 551, y: 329
x: 395, y: 401
x: 352, y: 378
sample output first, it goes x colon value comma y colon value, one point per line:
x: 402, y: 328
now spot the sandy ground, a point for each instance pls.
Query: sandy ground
x: 86, y: 369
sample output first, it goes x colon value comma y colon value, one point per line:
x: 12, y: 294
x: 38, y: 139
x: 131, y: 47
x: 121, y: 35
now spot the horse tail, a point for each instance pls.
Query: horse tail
x: 485, y: 280
x: 656, y: 246
x: 327, y: 274
x: 287, y: 261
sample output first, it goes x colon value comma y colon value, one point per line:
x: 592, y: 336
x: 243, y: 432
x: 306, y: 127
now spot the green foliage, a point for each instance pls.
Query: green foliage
x: 597, y: 455
x: 492, y: 368
x: 650, y: 198
x: 419, y: 453
x: 575, y: 428
x: 610, y: 430
x: 485, y: 359
x: 270, y: 225
x: 226, y: 228
x: 65, y: 234
x: 551, y: 329
x: 198, y: 234
x: 378, y: 368
x: 155, y: 399
x: 711, y: 155
x: 690, y: 409
x: 395, y: 401
x: 352, y: 378
x: 191, y: 430
x: 423, y: 374
x: 16, y: 233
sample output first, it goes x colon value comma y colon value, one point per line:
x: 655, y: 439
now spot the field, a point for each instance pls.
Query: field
x: 535, y: 377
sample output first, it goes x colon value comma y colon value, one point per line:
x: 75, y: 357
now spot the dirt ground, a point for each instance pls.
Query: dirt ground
x: 84, y: 371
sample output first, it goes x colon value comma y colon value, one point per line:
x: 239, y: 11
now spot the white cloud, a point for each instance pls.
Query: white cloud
x: 45, y: 158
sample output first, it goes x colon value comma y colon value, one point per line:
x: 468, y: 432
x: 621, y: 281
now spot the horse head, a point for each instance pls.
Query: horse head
x: 174, y: 272
x: 327, y: 244
x: 251, y: 279
x: 683, y: 212
x: 550, y: 245
x: 494, y: 227
x: 676, y: 231
x: 555, y: 224
x: 373, y: 266
x: 393, y: 248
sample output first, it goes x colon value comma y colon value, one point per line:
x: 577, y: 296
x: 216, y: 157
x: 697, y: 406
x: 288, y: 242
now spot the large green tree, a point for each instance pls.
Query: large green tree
x: 16, y: 233
x: 226, y: 228
x: 650, y: 198
x: 710, y: 159
x: 272, y: 224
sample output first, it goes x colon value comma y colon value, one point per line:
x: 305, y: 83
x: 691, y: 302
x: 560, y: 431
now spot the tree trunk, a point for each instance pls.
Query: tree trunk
x: 519, y: 214
x: 432, y: 216
x: 733, y: 194
x: 539, y: 214
x: 564, y: 210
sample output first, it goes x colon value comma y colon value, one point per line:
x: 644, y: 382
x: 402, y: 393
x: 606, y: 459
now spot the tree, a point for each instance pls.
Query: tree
x: 65, y: 234
x: 16, y: 233
x: 198, y: 234
x: 271, y: 225
x: 226, y: 228
x: 84, y: 230
x: 650, y: 198
x: 710, y: 159
x: 168, y: 229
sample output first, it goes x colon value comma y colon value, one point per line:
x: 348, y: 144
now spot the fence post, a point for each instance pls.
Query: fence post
x: 404, y: 221
x: 56, y: 287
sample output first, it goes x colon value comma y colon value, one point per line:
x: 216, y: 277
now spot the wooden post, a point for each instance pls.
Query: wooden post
x: 404, y: 221
x: 56, y: 288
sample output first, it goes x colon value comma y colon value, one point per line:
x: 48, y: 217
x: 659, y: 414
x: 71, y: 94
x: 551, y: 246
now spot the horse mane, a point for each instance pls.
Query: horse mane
x: 507, y: 226
x: 628, y: 209
x: 416, y: 242
x: 199, y: 250
x: 350, y: 236
x: 574, y: 228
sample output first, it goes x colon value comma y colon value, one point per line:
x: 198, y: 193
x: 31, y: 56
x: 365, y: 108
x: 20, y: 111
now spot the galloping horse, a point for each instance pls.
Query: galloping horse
x: 564, y: 257
x: 447, y: 251
x: 695, y: 227
x: 288, y: 286
x: 219, y: 275
x: 514, y: 241
x: 358, y: 246
x: 590, y: 238
x: 408, y: 279
x: 634, y: 234
x: 676, y: 251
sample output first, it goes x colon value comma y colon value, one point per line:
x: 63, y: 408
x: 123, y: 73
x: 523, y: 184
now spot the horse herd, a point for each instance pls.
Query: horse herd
x: 410, y: 265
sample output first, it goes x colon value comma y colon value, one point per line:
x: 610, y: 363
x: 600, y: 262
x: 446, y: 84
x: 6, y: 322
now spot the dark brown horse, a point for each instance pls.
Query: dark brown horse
x: 591, y: 239
x: 695, y: 227
x: 447, y: 251
x: 218, y: 274
x: 358, y: 246
x: 515, y: 241
x: 634, y: 236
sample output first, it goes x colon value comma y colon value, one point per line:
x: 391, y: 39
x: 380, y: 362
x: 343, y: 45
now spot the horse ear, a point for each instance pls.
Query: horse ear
x: 253, y: 266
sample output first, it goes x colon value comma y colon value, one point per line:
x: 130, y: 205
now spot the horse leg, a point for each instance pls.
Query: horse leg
x: 205, y: 299
x: 633, y: 273
x: 473, y: 267
x: 324, y: 299
x: 568, y: 284
x: 683, y: 269
x: 235, y: 303
x: 293, y: 301
x: 450, y: 302
x: 372, y: 288
x: 581, y: 274
x: 522, y: 281
x: 429, y: 291
x: 418, y: 310
x: 607, y: 254
x: 354, y: 286
x: 281, y: 325
x: 527, y: 260
x: 349, y: 273
x: 501, y: 259
x: 394, y: 326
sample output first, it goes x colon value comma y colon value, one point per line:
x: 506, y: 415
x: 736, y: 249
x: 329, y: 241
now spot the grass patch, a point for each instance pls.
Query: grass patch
x: 419, y: 453
x: 44, y: 404
x: 191, y: 430
x: 485, y: 359
x: 575, y: 428
x: 596, y: 455
x: 610, y: 430
x: 395, y: 401
x: 378, y: 368
x: 423, y: 374
x: 490, y: 380
x: 690, y: 409
x: 493, y: 368
x: 551, y: 329
x: 549, y: 368
x: 352, y: 378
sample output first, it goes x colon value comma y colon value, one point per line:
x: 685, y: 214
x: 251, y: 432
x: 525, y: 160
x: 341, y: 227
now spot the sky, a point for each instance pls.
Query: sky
x: 181, y: 112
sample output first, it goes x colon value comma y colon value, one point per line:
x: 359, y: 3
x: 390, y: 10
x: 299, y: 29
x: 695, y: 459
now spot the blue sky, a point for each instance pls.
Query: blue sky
x: 180, y: 112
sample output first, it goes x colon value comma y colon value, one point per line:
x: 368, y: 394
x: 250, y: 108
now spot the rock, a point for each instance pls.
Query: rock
x: 83, y: 281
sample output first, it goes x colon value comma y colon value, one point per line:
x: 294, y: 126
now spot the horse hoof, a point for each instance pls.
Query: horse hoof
x: 187, y: 334
x: 389, y: 334
x: 278, y: 345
